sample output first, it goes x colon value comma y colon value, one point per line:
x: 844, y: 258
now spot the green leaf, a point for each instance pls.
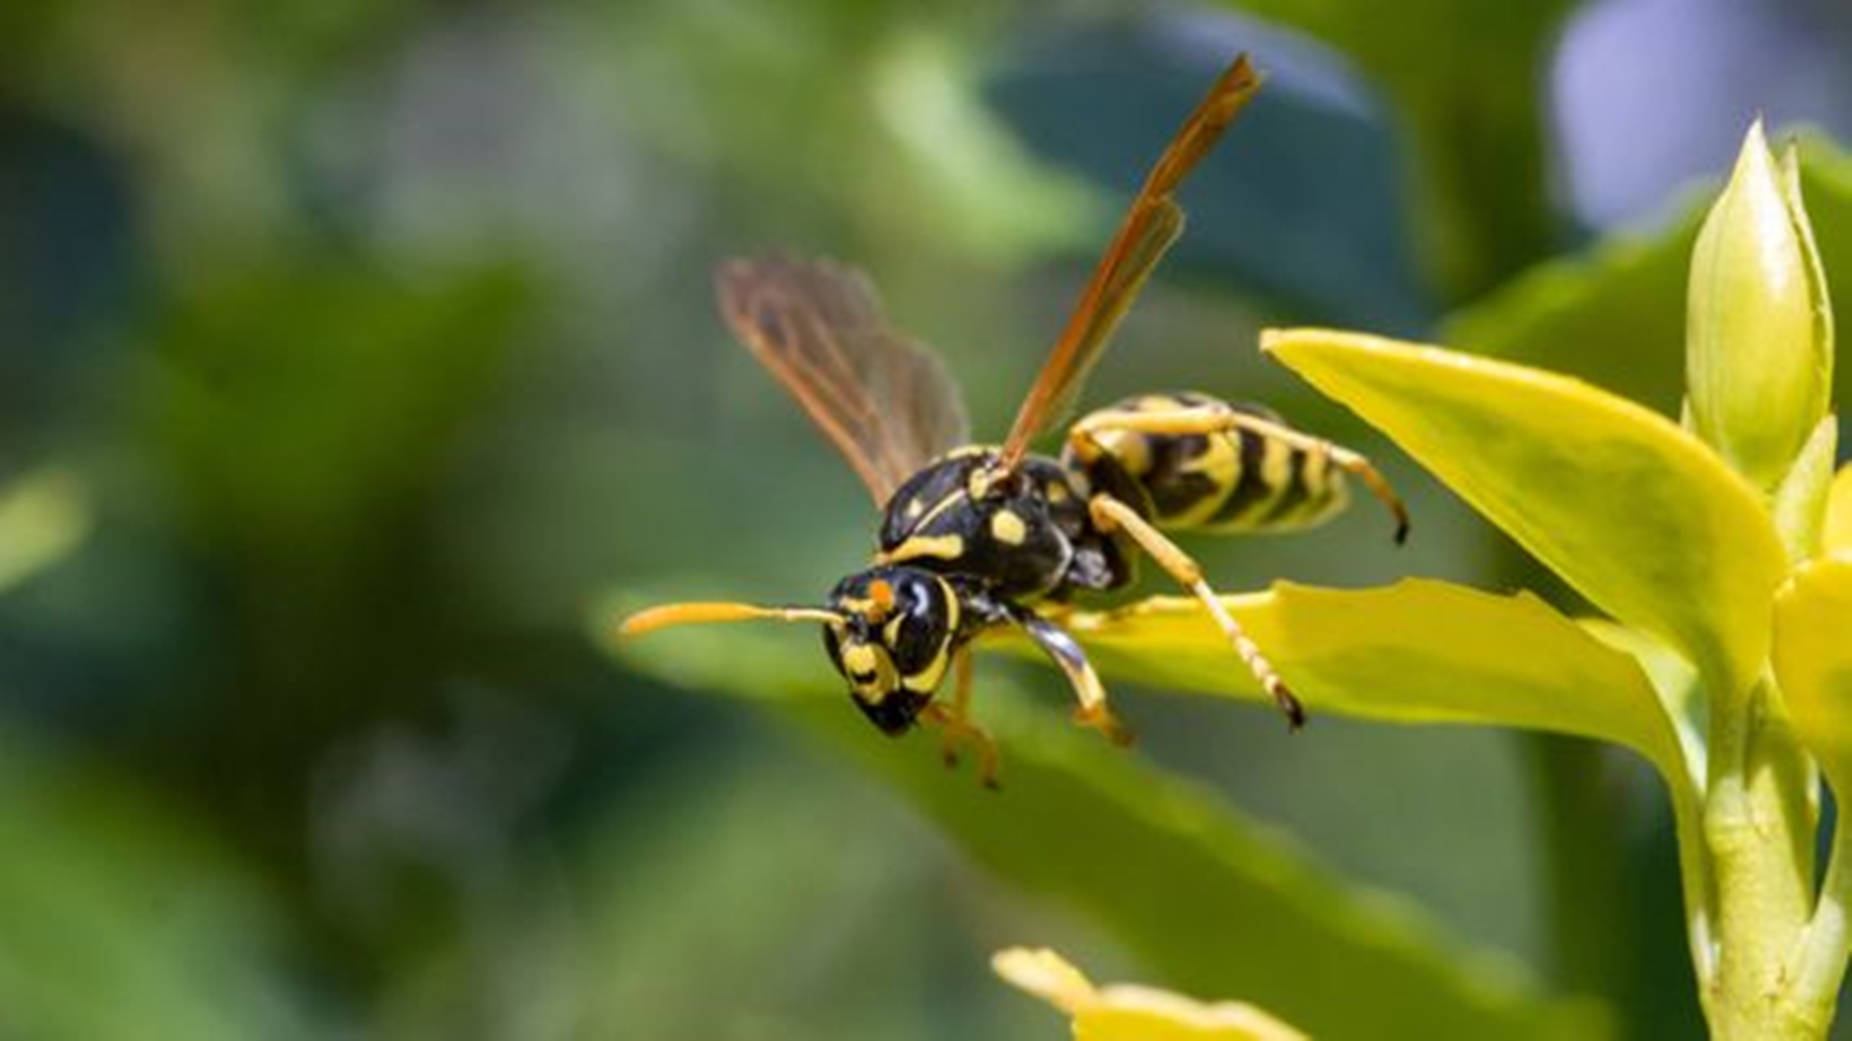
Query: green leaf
x: 119, y: 920
x: 1419, y: 651
x: 298, y: 399
x: 1616, y: 315
x: 1813, y: 661
x: 1629, y: 509
x: 1674, y: 679
x: 1464, y: 77
x: 43, y: 516
x: 1423, y: 651
x: 1212, y: 901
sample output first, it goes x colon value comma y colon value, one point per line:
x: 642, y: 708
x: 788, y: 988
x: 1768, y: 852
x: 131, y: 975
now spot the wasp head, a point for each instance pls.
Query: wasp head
x: 894, y: 640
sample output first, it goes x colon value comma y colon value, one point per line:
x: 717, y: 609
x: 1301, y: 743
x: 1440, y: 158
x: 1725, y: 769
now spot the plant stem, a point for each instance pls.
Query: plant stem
x: 1759, y: 822
x: 1820, y: 964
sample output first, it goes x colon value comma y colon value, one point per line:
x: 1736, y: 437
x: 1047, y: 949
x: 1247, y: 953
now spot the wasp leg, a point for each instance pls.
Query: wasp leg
x: 961, y: 705
x: 1220, y: 420
x: 956, y: 723
x: 1062, y: 649
x: 1110, y: 514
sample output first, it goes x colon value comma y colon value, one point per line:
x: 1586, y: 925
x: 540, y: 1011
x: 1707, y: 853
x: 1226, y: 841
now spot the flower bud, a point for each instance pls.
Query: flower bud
x: 1758, y: 336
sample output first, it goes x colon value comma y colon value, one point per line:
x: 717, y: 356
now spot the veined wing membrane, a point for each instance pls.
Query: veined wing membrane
x: 1151, y: 224
x: 884, y: 401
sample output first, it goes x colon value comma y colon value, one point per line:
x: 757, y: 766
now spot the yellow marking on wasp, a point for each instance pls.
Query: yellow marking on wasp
x: 945, y: 547
x: 939, y: 507
x: 865, y: 659
x: 1220, y: 461
x: 891, y: 631
x: 1132, y: 450
x: 1056, y: 492
x: 1276, y: 467
x: 927, y: 679
x: 1323, y: 488
x: 1316, y: 473
x: 914, y: 508
x: 1008, y: 528
x: 860, y: 659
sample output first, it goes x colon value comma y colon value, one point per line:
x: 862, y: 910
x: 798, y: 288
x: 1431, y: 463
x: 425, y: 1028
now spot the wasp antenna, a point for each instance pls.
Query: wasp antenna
x: 703, y: 613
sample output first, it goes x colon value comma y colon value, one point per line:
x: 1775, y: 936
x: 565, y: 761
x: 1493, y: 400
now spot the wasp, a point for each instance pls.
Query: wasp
x: 974, y: 537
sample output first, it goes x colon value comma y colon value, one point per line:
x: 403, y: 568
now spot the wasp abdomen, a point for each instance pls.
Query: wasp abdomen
x: 1231, y: 480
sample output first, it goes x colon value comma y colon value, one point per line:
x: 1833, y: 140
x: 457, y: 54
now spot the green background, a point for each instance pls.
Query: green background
x: 355, y: 358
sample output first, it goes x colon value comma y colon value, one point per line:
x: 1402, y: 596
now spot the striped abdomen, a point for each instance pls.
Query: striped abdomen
x: 1237, y: 480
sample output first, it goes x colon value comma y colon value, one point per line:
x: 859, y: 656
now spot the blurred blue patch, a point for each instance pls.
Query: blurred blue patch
x: 66, y: 256
x: 1302, y: 203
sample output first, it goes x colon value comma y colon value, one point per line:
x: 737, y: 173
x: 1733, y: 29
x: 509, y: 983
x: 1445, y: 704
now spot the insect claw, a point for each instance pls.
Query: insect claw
x: 1101, y: 718
x: 1293, y: 709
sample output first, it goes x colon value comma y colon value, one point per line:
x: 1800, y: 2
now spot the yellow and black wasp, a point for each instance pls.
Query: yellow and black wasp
x: 972, y: 536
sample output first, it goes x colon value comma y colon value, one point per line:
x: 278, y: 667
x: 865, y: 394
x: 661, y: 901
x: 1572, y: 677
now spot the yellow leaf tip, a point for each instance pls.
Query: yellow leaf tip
x: 1127, y: 1011
x: 1043, y: 973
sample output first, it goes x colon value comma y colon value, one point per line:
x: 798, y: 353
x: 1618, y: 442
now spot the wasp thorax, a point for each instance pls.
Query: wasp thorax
x: 894, y: 641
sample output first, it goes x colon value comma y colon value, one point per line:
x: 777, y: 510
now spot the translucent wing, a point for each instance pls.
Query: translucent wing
x: 885, y: 401
x: 1151, y: 224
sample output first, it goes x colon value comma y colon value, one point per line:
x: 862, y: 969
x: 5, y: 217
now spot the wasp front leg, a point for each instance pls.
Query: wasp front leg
x: 955, y: 721
x: 1065, y: 652
x: 1109, y: 514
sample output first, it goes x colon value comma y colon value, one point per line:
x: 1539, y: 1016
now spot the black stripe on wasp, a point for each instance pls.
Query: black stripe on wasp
x: 974, y: 536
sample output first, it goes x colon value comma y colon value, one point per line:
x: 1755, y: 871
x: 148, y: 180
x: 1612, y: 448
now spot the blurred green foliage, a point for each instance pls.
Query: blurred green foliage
x: 1615, y: 316
x: 366, y: 344
x: 1201, y: 893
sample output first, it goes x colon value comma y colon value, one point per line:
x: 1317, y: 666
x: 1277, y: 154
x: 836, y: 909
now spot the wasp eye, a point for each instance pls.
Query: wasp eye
x: 921, y: 625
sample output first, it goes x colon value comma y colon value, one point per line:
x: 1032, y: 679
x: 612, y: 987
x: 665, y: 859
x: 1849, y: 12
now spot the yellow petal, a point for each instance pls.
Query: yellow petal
x: 1130, y: 1012
x: 1046, y: 975
x: 1837, y: 538
x: 1813, y: 661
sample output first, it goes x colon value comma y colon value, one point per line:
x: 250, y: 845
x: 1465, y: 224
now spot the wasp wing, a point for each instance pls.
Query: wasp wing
x: 1151, y: 224
x: 887, y: 403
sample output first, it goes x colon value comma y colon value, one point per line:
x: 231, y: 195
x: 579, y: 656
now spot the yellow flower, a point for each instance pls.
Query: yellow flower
x: 1838, y: 535
x: 1128, y: 1012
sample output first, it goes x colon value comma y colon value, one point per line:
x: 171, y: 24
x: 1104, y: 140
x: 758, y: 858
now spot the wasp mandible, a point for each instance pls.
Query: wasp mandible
x: 973, y: 536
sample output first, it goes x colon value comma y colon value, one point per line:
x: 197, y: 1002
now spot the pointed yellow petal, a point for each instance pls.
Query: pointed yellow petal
x: 1131, y: 1012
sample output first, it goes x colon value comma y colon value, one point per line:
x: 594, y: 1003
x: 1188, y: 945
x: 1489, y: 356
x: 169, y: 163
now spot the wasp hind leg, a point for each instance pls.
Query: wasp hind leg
x: 1212, y: 420
x: 1109, y: 514
x: 955, y: 723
